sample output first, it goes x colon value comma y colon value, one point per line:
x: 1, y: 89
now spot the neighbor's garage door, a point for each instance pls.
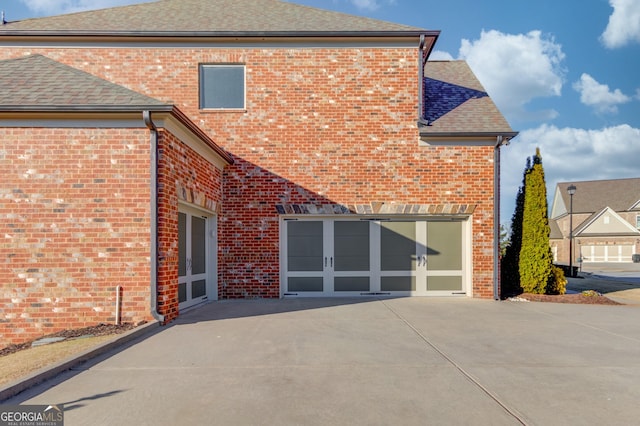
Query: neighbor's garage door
x: 331, y: 257
x: 608, y: 253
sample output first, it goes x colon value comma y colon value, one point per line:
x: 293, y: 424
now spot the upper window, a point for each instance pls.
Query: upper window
x: 222, y: 86
x: 638, y: 221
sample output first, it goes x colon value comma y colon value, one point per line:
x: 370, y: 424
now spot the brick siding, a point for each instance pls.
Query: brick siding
x: 74, y: 220
x: 178, y: 166
x: 322, y: 125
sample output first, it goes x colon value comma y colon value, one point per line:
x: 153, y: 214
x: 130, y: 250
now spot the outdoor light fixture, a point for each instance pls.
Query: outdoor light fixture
x: 571, y: 189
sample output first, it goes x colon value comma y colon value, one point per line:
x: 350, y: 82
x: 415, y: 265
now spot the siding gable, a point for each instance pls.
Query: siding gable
x: 607, y: 222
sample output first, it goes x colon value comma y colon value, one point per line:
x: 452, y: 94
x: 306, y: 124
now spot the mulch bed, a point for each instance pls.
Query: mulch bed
x: 588, y: 298
x: 96, y: 330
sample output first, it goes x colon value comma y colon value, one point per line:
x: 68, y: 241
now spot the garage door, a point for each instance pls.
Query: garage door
x: 334, y: 257
x: 607, y: 253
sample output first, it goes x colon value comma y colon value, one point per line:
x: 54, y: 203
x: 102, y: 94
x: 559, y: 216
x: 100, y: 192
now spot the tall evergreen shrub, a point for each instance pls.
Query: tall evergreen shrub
x: 535, y: 264
x: 509, y: 266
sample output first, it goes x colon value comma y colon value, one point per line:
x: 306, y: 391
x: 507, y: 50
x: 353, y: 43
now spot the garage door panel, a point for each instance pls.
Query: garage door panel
x: 305, y: 246
x: 361, y: 284
x: 351, y: 246
x: 305, y: 284
x: 398, y: 283
x: 398, y: 246
x: 435, y: 283
x: 444, y: 248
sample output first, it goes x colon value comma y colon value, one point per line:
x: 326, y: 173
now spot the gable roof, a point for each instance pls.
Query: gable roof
x: 37, y: 83
x: 593, y: 196
x: 591, y: 227
x: 455, y: 103
x: 195, y: 17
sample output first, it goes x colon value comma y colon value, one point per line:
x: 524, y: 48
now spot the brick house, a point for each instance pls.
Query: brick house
x: 606, y: 221
x: 344, y: 163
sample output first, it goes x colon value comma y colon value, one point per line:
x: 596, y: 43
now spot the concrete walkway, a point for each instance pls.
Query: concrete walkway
x: 411, y: 361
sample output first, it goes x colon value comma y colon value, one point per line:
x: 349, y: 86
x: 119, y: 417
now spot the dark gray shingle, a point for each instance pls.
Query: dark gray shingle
x: 206, y: 16
x: 456, y: 102
x: 37, y: 82
x: 592, y: 196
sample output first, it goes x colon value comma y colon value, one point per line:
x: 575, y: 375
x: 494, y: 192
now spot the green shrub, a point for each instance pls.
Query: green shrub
x: 535, y: 254
x: 557, y: 282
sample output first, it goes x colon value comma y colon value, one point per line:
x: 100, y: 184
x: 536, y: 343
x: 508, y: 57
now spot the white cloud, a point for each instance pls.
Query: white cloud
x: 441, y: 55
x: 624, y: 24
x: 58, y: 7
x: 569, y: 154
x: 599, y: 95
x: 370, y: 5
x: 515, y: 69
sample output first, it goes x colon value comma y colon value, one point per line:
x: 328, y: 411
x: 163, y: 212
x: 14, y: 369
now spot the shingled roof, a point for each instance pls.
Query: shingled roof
x: 38, y: 83
x: 197, y: 17
x: 592, y: 196
x: 455, y: 103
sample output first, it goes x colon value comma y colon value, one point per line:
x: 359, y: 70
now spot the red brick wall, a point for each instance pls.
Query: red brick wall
x: 74, y: 221
x: 321, y: 124
x: 177, y: 163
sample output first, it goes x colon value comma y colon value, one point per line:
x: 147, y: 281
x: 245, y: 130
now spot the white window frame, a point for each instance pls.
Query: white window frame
x: 202, y: 93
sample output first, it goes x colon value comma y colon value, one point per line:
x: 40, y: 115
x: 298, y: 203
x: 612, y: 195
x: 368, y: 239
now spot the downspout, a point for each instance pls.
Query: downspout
x: 496, y: 216
x: 146, y: 115
x: 421, y: 78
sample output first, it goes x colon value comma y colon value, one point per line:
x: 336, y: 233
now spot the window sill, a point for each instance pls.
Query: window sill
x: 224, y: 110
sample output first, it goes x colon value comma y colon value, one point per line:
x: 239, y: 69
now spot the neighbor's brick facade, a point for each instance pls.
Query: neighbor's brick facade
x: 322, y: 125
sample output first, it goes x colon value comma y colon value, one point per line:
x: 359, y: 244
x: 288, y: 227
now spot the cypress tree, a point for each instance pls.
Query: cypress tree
x: 509, y: 267
x: 536, y: 259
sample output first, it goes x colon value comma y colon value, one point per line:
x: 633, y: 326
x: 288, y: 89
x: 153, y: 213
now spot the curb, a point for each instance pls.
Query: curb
x: 46, y: 373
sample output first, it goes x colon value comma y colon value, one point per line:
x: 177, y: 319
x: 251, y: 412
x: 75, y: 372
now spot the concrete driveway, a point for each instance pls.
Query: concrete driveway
x: 617, y: 281
x: 410, y: 361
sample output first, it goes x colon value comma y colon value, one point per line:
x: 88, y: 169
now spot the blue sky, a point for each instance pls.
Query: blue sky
x: 565, y: 74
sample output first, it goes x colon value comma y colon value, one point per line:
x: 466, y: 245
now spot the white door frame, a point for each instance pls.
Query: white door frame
x: 211, y: 256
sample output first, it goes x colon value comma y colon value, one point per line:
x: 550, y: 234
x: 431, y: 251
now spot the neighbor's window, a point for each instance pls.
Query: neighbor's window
x: 638, y: 221
x: 222, y: 86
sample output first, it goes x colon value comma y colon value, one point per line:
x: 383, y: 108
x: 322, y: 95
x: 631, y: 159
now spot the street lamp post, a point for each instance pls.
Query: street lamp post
x: 571, y: 189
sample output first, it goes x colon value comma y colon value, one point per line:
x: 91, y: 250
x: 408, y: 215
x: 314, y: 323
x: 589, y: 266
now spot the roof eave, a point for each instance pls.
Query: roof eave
x: 182, y: 117
x: 83, y: 108
x: 508, y: 134
x: 218, y: 34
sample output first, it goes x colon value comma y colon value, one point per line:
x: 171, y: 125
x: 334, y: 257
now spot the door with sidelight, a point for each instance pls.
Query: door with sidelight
x: 194, y: 269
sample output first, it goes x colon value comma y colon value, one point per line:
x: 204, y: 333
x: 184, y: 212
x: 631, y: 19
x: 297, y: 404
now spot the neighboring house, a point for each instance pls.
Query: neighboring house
x: 344, y: 164
x: 606, y: 221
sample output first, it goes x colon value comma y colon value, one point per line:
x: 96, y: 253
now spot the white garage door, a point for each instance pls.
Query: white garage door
x: 607, y: 253
x: 335, y: 257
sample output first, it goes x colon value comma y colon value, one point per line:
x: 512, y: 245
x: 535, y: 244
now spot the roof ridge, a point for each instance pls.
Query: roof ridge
x: 243, y: 17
